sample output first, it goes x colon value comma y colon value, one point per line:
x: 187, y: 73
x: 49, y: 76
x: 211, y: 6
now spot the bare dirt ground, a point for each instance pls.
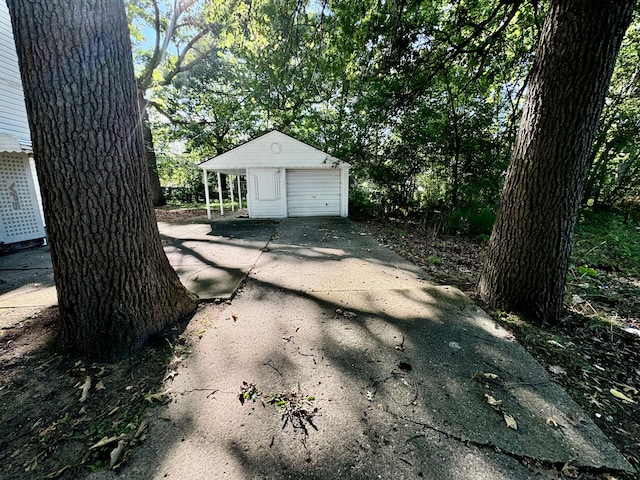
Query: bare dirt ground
x: 50, y: 427
x: 49, y: 431
x: 169, y: 213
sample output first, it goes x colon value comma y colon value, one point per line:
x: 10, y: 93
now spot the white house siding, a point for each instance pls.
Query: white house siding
x: 312, y: 193
x: 13, y: 112
x: 266, y: 191
x: 21, y: 216
x: 271, y: 150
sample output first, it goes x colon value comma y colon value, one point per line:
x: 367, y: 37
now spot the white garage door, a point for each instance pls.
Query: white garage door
x: 313, y: 193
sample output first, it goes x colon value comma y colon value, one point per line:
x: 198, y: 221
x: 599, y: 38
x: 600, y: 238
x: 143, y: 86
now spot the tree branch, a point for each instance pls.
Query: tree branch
x: 147, y: 73
x: 168, y: 78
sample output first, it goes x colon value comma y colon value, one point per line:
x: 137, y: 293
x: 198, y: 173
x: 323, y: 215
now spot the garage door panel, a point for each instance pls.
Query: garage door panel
x: 313, y: 193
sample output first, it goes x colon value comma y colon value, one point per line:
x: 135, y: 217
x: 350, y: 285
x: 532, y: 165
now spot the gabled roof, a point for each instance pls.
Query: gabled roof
x: 272, y: 150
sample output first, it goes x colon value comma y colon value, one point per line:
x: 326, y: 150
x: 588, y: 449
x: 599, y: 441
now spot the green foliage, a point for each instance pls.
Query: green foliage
x: 362, y: 202
x: 473, y: 220
x: 607, y: 241
x: 615, y: 175
x: 588, y: 271
x: 415, y: 95
x: 181, y: 177
x: 433, y: 260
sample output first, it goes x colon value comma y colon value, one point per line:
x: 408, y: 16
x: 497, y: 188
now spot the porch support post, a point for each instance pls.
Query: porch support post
x: 206, y: 192
x: 220, y: 193
x: 233, y: 201
x: 239, y: 193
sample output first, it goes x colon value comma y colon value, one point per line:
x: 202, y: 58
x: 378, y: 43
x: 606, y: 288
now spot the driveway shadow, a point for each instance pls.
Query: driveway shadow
x: 411, y: 379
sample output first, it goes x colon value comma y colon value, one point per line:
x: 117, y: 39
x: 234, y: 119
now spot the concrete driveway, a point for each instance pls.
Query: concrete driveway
x: 211, y: 258
x: 358, y: 367
x: 387, y: 375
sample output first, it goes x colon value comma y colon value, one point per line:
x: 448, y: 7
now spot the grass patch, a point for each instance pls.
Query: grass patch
x: 603, y: 275
x: 607, y: 241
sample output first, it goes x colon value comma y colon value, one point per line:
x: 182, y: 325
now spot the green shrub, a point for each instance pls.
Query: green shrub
x: 362, y: 202
x: 607, y: 240
x: 473, y: 220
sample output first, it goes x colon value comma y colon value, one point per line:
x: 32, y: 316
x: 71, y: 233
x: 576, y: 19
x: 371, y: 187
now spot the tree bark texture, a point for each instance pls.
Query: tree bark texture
x: 115, y: 285
x: 528, y: 254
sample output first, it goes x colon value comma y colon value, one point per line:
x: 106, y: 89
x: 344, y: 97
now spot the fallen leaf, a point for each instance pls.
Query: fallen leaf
x: 621, y: 396
x: 608, y: 476
x: 626, y: 388
x: 496, y: 404
x: 576, y: 300
x: 157, y: 397
x: 108, y: 440
x: 100, y: 386
x: 86, y: 386
x: 594, y: 401
x: 116, y: 454
x: 569, y: 471
x: 510, y: 421
x: 557, y: 369
x: 57, y: 473
x: 48, y: 430
x: 481, y: 376
x: 141, y: 428
x: 551, y: 422
x: 169, y: 375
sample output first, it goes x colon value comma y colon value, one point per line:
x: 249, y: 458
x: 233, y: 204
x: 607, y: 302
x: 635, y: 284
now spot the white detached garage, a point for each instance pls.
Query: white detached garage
x: 285, y: 178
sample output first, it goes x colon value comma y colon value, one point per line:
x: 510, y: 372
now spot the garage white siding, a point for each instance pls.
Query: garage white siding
x: 264, y: 193
x: 313, y: 192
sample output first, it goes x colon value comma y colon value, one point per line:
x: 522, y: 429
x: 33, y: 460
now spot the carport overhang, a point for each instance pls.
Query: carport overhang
x: 226, y: 171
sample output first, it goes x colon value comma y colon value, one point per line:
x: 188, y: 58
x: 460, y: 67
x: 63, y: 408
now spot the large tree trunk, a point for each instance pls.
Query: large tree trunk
x: 528, y: 254
x: 115, y: 284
